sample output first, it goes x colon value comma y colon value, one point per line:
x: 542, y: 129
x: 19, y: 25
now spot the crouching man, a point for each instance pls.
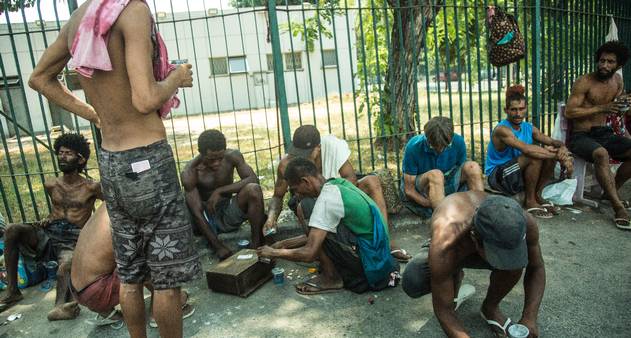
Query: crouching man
x: 479, y: 231
x: 343, y: 221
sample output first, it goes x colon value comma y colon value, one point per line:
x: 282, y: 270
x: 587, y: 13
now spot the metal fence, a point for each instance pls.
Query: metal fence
x: 264, y: 68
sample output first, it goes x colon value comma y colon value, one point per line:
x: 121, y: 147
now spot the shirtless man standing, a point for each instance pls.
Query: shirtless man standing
x: 151, y: 230
x: 479, y: 231
x: 217, y: 203
x: 593, y: 97
x: 54, y: 239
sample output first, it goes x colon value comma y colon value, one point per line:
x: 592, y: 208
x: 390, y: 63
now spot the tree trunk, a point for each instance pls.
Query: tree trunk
x: 411, y: 19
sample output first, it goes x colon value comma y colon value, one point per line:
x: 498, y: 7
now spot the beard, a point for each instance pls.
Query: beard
x: 69, y: 167
x: 604, y: 76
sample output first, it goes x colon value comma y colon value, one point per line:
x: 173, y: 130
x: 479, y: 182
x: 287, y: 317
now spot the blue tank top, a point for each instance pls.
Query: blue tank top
x: 495, y: 158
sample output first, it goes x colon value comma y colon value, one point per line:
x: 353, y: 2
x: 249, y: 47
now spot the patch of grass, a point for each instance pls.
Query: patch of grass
x: 256, y: 133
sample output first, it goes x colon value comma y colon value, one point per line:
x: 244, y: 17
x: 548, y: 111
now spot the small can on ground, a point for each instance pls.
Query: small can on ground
x: 243, y: 244
x: 51, y: 270
x: 518, y: 331
x: 279, y: 275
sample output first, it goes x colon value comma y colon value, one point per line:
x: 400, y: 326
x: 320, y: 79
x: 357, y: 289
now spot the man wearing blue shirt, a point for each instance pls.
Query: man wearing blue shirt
x: 435, y: 165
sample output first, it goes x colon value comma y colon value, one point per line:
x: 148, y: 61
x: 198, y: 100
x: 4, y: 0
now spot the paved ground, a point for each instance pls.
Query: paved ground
x: 587, y: 295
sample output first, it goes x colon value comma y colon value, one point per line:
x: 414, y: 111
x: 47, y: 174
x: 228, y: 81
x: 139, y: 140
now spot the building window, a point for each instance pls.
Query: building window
x: 329, y: 58
x: 218, y: 66
x: 238, y: 64
x: 293, y: 61
x: 270, y: 62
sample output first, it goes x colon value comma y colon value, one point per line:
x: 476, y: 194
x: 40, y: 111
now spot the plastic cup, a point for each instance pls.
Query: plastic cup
x: 518, y: 331
x: 279, y: 275
x: 243, y: 244
x: 51, y: 270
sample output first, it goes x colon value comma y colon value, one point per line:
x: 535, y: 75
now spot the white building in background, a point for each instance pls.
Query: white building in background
x: 231, y: 57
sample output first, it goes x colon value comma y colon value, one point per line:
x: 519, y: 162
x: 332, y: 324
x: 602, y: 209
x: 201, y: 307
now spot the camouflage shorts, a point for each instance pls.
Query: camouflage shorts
x: 151, y: 229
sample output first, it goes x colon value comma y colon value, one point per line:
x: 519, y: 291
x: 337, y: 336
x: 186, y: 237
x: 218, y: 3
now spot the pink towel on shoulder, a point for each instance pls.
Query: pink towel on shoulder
x: 89, y: 47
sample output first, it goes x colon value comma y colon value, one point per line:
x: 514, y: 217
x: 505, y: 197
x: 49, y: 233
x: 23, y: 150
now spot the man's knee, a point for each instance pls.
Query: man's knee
x: 601, y: 156
x: 472, y: 169
x: 435, y: 176
x: 252, y: 191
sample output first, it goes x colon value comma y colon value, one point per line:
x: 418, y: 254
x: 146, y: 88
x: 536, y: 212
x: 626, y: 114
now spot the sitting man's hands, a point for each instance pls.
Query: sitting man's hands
x: 265, y: 251
x: 212, y: 201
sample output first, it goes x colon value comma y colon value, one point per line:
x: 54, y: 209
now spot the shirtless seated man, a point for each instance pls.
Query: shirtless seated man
x: 593, y: 97
x: 93, y: 280
x: 217, y: 203
x: 331, y: 157
x: 479, y: 231
x: 54, y: 239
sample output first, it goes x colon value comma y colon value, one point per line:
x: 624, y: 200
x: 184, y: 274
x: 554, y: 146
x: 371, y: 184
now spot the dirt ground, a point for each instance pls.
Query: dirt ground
x: 587, y: 294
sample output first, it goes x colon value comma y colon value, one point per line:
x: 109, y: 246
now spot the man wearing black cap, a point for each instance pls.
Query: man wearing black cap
x: 331, y: 157
x: 479, y: 231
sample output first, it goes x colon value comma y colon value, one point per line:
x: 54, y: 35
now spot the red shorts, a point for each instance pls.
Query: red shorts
x: 101, y: 295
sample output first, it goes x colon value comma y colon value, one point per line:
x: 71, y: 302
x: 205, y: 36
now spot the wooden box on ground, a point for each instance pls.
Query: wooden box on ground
x: 240, y: 274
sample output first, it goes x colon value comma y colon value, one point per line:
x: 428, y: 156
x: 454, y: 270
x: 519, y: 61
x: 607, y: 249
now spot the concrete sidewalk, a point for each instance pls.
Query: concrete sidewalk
x: 588, y: 294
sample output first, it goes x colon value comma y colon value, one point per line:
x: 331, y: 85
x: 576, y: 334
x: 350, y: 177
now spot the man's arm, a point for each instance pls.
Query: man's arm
x: 192, y: 196
x: 506, y: 136
x: 98, y: 192
x: 276, y: 203
x: 44, y: 79
x: 409, y: 187
x: 442, y: 281
x: 246, y: 173
x: 534, y: 278
x: 575, y: 109
x: 148, y: 95
x: 348, y: 173
x: 306, y: 253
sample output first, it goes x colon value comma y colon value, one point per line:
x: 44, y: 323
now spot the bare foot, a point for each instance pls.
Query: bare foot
x: 496, y: 316
x: 319, y: 284
x: 64, y: 311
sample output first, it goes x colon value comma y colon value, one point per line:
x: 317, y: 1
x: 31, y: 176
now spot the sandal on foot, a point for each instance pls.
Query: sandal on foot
x: 540, y: 212
x: 312, y: 287
x: 622, y: 223
x: 100, y: 320
x: 553, y: 209
x: 494, y: 326
x: 401, y: 255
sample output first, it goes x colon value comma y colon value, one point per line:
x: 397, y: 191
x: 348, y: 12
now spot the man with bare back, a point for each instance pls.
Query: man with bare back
x: 54, y: 239
x: 593, y: 97
x: 125, y: 75
x: 217, y: 203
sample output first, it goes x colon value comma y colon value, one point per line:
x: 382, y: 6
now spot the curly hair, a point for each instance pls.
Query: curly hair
x: 74, y: 142
x: 515, y: 93
x: 211, y: 139
x: 614, y: 47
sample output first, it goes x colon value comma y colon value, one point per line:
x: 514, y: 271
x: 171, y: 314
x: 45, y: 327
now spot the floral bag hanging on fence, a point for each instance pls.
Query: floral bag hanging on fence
x: 506, y: 44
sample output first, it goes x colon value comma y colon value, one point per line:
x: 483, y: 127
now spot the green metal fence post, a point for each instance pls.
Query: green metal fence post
x: 536, y: 59
x: 279, y: 77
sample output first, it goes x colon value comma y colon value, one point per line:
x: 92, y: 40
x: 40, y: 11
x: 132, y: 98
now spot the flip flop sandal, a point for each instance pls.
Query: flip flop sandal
x: 553, y: 209
x: 495, y: 324
x: 402, y: 252
x: 626, y: 204
x: 9, y: 303
x: 622, y: 223
x: 100, y: 320
x: 540, y: 213
x: 465, y: 292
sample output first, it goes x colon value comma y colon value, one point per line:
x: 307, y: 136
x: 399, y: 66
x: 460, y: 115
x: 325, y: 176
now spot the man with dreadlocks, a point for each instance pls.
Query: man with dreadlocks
x: 53, y: 239
x: 515, y: 164
x: 435, y: 165
x: 595, y: 96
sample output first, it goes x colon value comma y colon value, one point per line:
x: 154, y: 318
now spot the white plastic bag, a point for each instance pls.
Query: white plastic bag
x: 560, y: 193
